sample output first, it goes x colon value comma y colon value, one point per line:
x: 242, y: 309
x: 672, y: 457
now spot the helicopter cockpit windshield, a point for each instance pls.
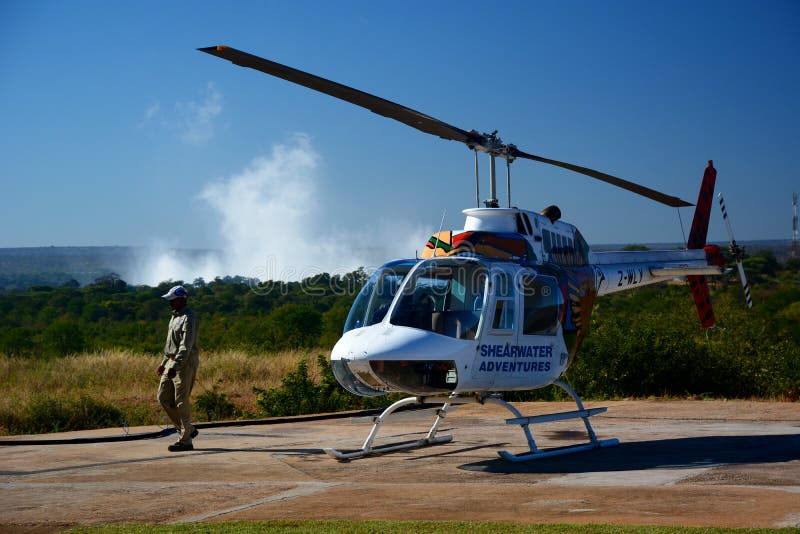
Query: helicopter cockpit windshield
x: 373, y: 300
x: 445, y: 296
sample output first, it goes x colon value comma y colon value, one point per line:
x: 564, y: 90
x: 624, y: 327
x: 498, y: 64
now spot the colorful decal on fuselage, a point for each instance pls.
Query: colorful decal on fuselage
x: 578, y: 288
x: 581, y: 292
x: 492, y: 245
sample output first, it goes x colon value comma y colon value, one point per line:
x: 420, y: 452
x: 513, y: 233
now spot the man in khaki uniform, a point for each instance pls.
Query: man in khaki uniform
x: 179, y: 367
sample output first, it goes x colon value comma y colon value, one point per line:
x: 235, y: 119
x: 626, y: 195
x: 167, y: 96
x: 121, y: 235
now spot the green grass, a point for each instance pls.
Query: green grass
x: 404, y: 527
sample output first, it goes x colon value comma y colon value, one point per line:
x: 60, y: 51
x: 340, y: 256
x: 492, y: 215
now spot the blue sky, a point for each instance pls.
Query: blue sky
x: 116, y: 131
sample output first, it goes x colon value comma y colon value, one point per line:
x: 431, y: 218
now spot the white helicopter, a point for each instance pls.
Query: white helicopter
x: 500, y: 305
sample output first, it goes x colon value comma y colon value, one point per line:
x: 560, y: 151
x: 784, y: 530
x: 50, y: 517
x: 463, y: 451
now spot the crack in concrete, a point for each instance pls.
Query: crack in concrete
x: 302, y: 490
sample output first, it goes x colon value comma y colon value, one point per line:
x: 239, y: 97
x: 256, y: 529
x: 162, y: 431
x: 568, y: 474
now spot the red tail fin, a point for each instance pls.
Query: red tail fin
x: 697, y: 239
x: 697, y: 236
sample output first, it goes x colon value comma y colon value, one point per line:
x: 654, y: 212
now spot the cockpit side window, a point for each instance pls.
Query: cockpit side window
x: 443, y: 297
x: 543, y: 301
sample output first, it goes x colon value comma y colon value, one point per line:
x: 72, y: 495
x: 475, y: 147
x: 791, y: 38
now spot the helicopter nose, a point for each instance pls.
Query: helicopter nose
x: 349, y: 381
x: 349, y: 368
x: 382, y: 358
x: 411, y: 360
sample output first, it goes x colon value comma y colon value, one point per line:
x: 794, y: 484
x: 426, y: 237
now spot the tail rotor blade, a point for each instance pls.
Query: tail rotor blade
x: 736, y: 251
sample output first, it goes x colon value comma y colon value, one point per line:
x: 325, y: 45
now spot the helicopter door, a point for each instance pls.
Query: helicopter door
x: 541, y: 333
x: 500, y: 332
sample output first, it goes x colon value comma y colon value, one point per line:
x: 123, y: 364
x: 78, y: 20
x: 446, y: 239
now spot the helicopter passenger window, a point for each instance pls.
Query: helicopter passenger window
x: 520, y: 225
x: 548, y: 245
x: 559, y: 245
x: 528, y: 223
x: 444, y: 297
x: 504, y: 304
x: 542, y: 303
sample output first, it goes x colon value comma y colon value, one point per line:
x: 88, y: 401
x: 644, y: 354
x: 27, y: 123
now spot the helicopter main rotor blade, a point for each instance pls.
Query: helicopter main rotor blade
x: 425, y: 123
x: 376, y: 104
x: 652, y: 194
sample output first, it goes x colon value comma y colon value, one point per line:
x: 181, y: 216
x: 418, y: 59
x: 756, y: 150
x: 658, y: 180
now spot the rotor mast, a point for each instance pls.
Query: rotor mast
x: 494, y: 147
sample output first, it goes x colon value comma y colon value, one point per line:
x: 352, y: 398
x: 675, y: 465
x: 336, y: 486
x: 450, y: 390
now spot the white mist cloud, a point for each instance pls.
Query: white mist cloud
x: 275, y: 226
x: 193, y: 121
x: 150, y: 114
x: 160, y: 262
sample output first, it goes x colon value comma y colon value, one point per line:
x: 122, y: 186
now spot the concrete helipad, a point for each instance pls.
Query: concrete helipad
x: 710, y: 463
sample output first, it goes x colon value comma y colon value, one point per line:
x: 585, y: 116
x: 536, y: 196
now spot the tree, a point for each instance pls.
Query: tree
x: 16, y: 341
x: 333, y: 323
x: 293, y: 326
x: 63, y: 337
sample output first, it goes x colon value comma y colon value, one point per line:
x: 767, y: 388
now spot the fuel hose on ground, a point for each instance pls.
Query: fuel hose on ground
x: 169, y: 431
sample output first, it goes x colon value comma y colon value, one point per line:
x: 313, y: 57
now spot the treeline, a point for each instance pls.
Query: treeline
x: 235, y: 312
x: 646, y: 342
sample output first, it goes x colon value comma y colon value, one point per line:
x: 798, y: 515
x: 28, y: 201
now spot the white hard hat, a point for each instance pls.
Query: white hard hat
x: 175, y: 293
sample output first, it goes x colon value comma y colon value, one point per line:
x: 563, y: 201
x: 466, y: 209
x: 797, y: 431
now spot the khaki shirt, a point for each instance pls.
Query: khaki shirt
x: 181, y: 337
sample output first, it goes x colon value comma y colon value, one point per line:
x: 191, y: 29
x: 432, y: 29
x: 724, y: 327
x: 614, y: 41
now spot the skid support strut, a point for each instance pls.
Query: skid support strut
x: 367, y: 449
x: 525, y: 422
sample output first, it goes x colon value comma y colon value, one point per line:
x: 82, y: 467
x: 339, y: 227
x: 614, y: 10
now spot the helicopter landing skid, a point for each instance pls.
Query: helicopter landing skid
x: 367, y: 449
x: 535, y: 452
x: 432, y: 439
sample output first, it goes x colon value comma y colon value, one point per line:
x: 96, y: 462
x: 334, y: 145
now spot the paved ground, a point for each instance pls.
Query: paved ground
x: 729, y: 464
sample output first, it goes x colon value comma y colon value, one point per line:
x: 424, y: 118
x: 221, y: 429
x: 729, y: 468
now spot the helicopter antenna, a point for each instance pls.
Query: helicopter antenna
x: 683, y: 232
x: 441, y: 223
x: 795, y: 245
x: 488, y: 143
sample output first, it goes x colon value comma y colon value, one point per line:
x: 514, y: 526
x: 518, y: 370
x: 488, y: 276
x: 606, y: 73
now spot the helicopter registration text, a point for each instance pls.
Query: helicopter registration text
x: 620, y: 276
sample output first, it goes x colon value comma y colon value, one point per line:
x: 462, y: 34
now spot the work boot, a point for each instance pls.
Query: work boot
x: 194, y: 431
x: 180, y: 447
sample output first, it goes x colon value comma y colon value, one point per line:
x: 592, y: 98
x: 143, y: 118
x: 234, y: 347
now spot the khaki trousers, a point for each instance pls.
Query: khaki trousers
x: 174, y: 395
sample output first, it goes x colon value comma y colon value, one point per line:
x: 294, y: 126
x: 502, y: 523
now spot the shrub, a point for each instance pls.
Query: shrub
x: 299, y: 394
x: 215, y: 405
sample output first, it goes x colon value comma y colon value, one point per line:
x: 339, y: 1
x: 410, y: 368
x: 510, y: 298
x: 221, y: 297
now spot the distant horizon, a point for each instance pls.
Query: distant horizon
x: 23, y: 267
x: 787, y: 241
x: 150, y: 142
